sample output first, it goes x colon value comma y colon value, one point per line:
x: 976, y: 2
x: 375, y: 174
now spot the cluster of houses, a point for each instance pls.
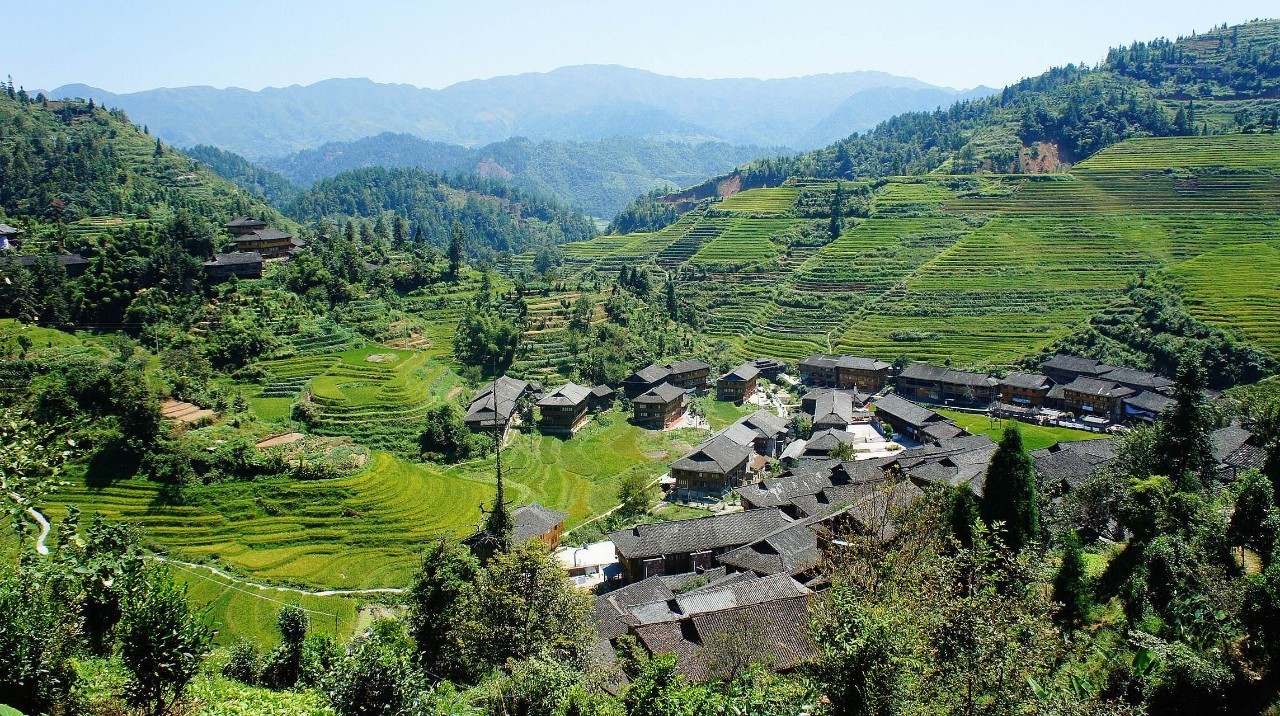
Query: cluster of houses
x: 1096, y: 394
x: 74, y: 264
x: 254, y: 243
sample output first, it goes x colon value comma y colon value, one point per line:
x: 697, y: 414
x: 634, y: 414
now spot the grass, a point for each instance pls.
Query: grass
x: 1033, y: 436
x: 722, y: 413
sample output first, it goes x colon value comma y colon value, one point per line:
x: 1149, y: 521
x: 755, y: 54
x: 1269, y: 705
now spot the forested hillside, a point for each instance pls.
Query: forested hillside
x: 598, y: 178
x: 498, y: 216
x: 271, y: 186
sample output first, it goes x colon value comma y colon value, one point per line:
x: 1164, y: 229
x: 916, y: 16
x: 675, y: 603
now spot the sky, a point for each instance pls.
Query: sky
x: 143, y: 44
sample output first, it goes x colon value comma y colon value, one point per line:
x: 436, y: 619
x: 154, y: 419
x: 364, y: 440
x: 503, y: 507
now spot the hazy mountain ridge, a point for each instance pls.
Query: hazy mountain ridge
x: 597, y: 177
x: 582, y: 103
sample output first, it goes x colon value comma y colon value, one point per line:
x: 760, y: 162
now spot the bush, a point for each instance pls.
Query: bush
x: 244, y: 664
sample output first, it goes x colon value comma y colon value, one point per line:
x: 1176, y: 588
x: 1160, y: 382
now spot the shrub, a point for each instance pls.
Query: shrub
x: 244, y: 663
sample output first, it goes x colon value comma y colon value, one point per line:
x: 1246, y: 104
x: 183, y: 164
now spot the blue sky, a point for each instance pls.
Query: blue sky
x: 128, y: 46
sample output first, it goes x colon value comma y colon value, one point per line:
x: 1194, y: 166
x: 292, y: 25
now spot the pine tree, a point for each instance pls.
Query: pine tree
x: 457, y: 249
x: 399, y: 232
x: 1071, y: 584
x: 1183, y: 448
x: 159, y: 149
x: 1010, y: 491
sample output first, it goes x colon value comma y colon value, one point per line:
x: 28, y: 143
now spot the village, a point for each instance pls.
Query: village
x: 783, y: 484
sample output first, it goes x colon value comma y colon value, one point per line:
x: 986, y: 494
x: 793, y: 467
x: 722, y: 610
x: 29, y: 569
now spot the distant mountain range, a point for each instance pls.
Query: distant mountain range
x: 598, y: 177
x: 580, y: 104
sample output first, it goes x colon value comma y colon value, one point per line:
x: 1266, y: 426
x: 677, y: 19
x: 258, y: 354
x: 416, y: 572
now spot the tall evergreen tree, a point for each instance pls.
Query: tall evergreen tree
x: 1010, y: 491
x: 1071, y: 584
x: 962, y: 513
x: 1252, y: 524
x: 1184, y: 450
x: 457, y: 249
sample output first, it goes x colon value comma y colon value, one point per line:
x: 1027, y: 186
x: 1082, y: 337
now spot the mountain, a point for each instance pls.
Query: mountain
x: 269, y: 185
x: 598, y: 177
x: 578, y: 103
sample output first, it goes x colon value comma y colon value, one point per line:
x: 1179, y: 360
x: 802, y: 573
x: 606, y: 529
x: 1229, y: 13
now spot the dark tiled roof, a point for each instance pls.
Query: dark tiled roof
x: 824, y: 441
x: 781, y: 490
x: 765, y: 423
x: 569, y: 394
x: 603, y: 391
x: 1098, y: 388
x: 938, y: 374
x: 6, y: 230
x: 1149, y: 401
x: 661, y: 394
x: 612, y: 610
x: 1072, y: 463
x: 908, y: 412
x: 775, y: 632
x: 264, y: 235
x: 819, y: 360
x: 1074, y: 364
x: 728, y: 593
x: 238, y: 257
x: 688, y: 366
x: 509, y: 392
x: 1026, y: 381
x: 954, y: 461
x: 244, y: 221
x: 534, y: 520
x: 791, y: 549
x: 860, y: 363
x: 1138, y: 379
x: 1228, y: 440
x: 943, y: 430
x: 649, y: 374
x: 704, y: 533
x: 830, y: 407
x: 742, y: 373
x: 719, y: 455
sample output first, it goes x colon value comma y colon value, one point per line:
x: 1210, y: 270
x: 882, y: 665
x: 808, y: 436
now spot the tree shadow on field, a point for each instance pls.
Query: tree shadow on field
x: 113, y: 462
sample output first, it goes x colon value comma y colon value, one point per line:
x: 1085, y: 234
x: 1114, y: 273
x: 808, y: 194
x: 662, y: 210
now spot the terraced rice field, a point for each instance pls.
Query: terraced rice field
x: 376, y: 395
x: 364, y: 531
x: 984, y: 270
x: 1248, y: 301
x: 744, y: 241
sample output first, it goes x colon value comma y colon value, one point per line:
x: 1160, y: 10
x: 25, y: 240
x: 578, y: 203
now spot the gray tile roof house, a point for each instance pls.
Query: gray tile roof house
x: 1235, y: 449
x: 774, y: 632
x: 1137, y: 379
x: 815, y: 487
x: 718, y: 455
x: 533, y: 521
x: 688, y: 366
x: 1098, y: 388
x: 241, y: 263
x: 861, y: 363
x: 509, y: 392
x: 940, y: 374
x: 1066, y: 465
x: 716, y: 532
x: 744, y: 372
x: 1074, y: 365
x: 833, y: 408
x: 914, y: 421
x: 957, y: 461
x: 660, y: 394
x: 569, y: 394
x: 1026, y: 381
x: 1147, y: 405
x: 245, y: 222
x: 613, y: 615
x: 823, y: 442
x: 728, y: 593
x: 644, y: 379
x: 790, y: 550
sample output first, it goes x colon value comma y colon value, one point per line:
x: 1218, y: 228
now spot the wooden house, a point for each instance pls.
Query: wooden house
x: 242, y: 264
x: 1028, y: 390
x: 692, y: 374
x: 662, y: 548
x: 565, y: 410
x: 935, y: 384
x: 714, y: 467
x: 1093, y: 396
x: 738, y: 384
x: 661, y: 407
x: 644, y: 380
x: 242, y: 225
x: 913, y: 421
x: 271, y: 243
x: 497, y: 402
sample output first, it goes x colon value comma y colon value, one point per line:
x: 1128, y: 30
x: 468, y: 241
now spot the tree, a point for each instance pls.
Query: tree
x: 283, y: 666
x: 446, y: 569
x: 376, y: 677
x: 162, y: 644
x: 962, y: 513
x: 862, y: 664
x: 457, y: 249
x: 1010, y: 491
x: 524, y: 605
x: 1184, y: 450
x: 1071, y: 587
x: 1252, y: 523
x: 635, y: 495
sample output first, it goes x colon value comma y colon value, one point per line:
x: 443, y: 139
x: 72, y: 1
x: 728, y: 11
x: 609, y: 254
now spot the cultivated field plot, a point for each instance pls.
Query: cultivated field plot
x: 1238, y: 151
x: 744, y: 242
x: 364, y: 531
x: 774, y: 200
x: 376, y: 395
x: 1248, y: 302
